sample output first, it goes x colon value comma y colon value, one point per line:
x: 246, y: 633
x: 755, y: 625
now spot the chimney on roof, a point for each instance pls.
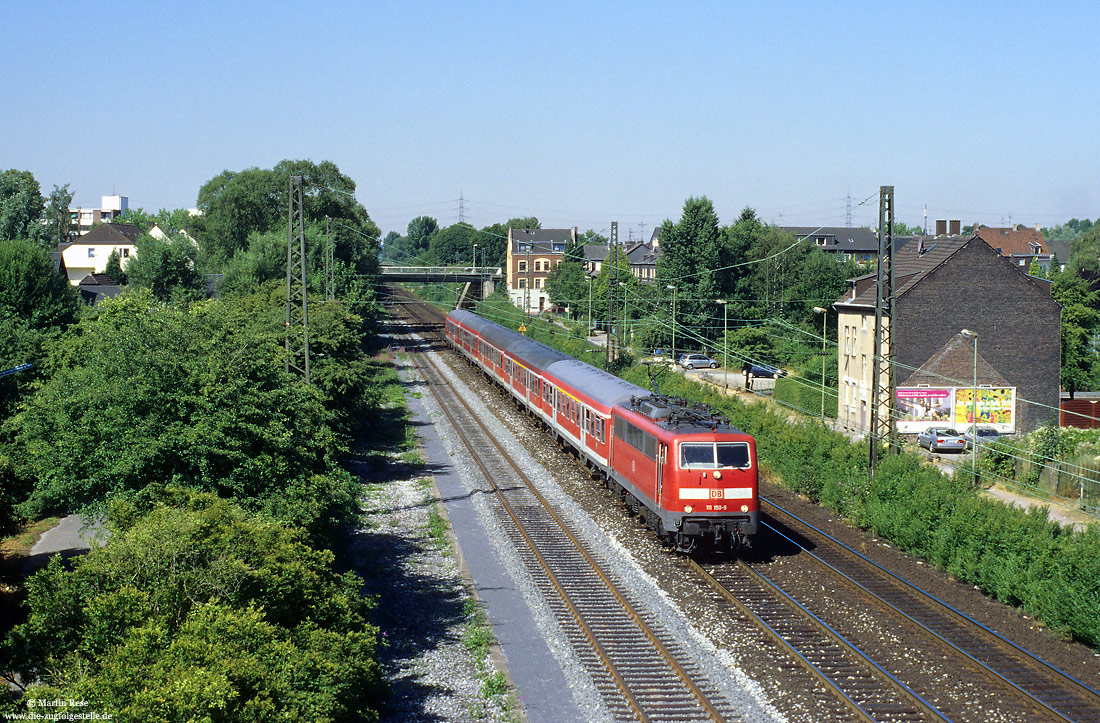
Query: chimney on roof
x: 954, y: 227
x: 1037, y: 227
x: 941, y: 227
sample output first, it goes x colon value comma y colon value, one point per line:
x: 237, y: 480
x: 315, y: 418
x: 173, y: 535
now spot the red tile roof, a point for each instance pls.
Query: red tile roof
x: 1014, y: 240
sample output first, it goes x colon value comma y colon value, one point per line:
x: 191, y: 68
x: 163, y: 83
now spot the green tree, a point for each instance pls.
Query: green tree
x: 454, y: 244
x: 114, y: 268
x: 1079, y: 318
x: 58, y: 218
x: 235, y: 205
x: 167, y: 268
x: 20, y: 206
x: 201, y: 611
x: 148, y: 392
x: 419, y: 233
x: 31, y: 288
x: 691, y: 252
x: 568, y: 285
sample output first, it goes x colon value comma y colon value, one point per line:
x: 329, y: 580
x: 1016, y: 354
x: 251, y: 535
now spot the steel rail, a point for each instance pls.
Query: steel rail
x: 861, y: 710
x: 954, y: 615
x: 646, y: 630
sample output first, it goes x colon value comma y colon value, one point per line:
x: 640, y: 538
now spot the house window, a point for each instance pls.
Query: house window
x: 125, y: 253
x: 91, y: 252
x: 522, y: 266
x: 538, y: 283
x: 559, y: 248
x: 523, y: 283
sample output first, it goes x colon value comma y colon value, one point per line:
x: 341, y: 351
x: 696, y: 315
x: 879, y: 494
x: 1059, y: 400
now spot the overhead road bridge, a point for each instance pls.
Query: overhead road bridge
x: 479, y: 282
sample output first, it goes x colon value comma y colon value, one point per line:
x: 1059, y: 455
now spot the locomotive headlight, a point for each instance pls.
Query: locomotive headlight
x: 687, y: 508
x: 744, y: 508
x: 717, y: 474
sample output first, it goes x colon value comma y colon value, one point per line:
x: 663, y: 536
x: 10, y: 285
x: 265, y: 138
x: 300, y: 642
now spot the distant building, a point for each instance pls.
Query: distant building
x: 96, y: 287
x: 532, y: 254
x: 642, y: 257
x: 81, y: 220
x: 849, y: 244
x: 943, y: 285
x: 89, y: 253
x: 1022, y: 244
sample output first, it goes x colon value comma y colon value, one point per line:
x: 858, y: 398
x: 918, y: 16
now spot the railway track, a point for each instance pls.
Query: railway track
x: 641, y: 672
x: 1042, y: 692
x: 857, y: 681
x: 865, y: 687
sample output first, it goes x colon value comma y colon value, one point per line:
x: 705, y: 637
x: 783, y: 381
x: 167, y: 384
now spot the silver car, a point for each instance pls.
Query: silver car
x: 986, y: 435
x: 938, y: 439
x: 696, y: 361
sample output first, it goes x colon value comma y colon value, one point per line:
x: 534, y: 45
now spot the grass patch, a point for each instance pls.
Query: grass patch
x: 477, y: 638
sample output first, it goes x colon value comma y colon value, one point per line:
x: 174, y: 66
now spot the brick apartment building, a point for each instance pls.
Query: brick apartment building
x: 532, y: 253
x: 943, y: 285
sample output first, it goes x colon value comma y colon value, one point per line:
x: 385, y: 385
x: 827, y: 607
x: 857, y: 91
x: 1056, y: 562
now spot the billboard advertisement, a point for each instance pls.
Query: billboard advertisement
x: 922, y: 407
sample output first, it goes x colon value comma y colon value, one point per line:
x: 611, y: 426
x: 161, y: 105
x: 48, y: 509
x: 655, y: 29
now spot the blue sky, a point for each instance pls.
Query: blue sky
x: 579, y: 113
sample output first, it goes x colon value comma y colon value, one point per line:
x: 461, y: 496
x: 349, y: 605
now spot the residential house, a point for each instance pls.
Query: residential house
x: 642, y: 257
x: 532, y: 254
x: 89, y: 253
x: 96, y: 287
x: 942, y: 286
x: 1022, y: 244
x: 849, y: 244
x: 81, y: 220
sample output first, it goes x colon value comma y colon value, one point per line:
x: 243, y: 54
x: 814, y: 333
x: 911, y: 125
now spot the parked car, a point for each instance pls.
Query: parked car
x: 937, y: 439
x: 765, y: 371
x: 986, y: 435
x: 697, y: 361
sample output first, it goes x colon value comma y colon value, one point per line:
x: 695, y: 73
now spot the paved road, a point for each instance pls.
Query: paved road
x: 68, y: 538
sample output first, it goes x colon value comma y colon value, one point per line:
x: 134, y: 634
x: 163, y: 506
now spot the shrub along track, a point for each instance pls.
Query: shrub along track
x: 935, y: 635
x: 639, y: 669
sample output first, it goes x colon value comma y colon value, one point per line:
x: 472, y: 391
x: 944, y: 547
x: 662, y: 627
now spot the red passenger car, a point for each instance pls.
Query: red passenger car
x: 680, y: 466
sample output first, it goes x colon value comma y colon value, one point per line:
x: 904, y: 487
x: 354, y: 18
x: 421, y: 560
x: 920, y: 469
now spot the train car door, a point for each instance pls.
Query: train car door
x: 662, y: 458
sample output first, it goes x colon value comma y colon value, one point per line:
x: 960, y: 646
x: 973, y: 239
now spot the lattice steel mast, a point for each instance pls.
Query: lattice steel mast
x: 612, y: 289
x: 297, y: 312
x: 883, y: 433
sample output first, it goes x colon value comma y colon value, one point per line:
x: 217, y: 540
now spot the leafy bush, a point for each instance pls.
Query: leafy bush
x: 196, y: 610
x: 147, y: 394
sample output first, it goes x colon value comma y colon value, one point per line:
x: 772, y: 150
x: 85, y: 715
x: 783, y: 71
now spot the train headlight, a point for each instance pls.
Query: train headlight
x: 744, y: 508
x: 717, y: 474
x: 687, y: 509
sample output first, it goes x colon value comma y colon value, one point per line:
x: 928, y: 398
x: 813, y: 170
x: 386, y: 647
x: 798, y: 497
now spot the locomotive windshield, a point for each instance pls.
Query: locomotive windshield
x: 711, y: 455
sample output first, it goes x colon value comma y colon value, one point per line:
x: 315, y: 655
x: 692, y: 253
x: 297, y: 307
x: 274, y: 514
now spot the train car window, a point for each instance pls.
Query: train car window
x: 649, y: 445
x: 696, y: 455
x: 734, y: 454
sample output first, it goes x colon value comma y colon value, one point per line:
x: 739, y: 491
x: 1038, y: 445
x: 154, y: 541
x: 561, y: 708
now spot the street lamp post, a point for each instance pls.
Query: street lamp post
x: 824, y: 317
x: 725, y: 346
x: 974, y: 407
x: 475, y: 259
x: 673, y: 350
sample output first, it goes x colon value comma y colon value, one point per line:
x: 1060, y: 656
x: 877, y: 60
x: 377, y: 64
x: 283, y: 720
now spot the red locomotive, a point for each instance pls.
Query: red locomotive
x: 683, y: 468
